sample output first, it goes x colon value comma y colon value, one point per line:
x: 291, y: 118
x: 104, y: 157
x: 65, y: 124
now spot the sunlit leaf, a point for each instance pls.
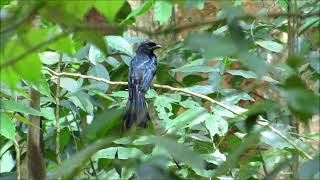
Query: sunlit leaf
x: 109, y: 8
x: 202, y: 89
x: 250, y: 74
x: 185, y: 118
x: 270, y: 45
x: 69, y: 84
x: 142, y: 9
x: 7, y: 128
x: 119, y: 43
x: 95, y: 55
x: 10, y: 105
x: 101, y: 72
x: 216, y: 125
x: 162, y: 10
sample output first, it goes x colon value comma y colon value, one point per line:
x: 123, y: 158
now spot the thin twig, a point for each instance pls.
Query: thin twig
x: 16, y: 147
x: 58, y: 113
x: 267, y: 124
x: 261, y: 123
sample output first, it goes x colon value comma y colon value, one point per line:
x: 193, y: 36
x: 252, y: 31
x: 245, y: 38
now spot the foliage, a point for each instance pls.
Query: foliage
x: 189, y: 137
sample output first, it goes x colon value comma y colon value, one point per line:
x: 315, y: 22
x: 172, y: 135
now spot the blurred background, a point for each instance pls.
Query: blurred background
x: 235, y: 95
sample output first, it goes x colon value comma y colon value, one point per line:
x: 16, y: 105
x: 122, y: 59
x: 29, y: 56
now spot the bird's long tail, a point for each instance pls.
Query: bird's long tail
x: 136, y: 110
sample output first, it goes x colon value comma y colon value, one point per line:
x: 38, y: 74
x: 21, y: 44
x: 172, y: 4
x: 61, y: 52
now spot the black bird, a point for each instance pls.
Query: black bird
x: 141, y: 72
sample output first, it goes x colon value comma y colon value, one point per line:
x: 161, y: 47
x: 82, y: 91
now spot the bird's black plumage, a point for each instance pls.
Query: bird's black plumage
x: 141, y: 72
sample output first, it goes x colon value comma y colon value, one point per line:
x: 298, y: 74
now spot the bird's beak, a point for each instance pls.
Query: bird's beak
x: 157, y: 46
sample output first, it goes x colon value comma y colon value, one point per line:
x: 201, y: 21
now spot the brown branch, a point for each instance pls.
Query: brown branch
x: 36, y: 165
x: 261, y: 123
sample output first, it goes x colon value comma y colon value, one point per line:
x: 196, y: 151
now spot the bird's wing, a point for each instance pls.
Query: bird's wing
x: 148, y: 75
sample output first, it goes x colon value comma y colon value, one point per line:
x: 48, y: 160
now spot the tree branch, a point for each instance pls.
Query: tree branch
x: 261, y: 123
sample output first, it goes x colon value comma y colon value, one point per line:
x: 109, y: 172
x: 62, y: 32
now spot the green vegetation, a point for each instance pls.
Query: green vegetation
x: 235, y: 97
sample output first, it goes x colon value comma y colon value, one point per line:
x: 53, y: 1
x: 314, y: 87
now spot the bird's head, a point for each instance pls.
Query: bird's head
x: 148, y: 47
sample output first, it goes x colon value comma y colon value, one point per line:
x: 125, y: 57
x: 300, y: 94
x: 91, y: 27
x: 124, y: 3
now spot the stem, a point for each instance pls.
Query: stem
x: 16, y: 147
x: 58, y: 113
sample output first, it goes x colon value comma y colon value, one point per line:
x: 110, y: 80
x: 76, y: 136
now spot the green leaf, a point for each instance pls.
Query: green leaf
x: 202, y: 89
x: 270, y: 45
x: 142, y: 9
x: 76, y: 8
x: 109, y: 8
x: 216, y: 157
x: 69, y: 84
x: 205, y: 41
x: 70, y: 167
x: 49, y: 58
x: 299, y: 99
x: 108, y: 153
x: 82, y: 100
x: 250, y: 74
x: 232, y: 158
x: 93, y: 38
x: 64, y: 138
x: 19, y: 107
x: 102, y: 124
x: 195, y: 3
x: 314, y: 61
x: 7, y: 128
x: 179, y: 151
x: 184, y: 119
x: 64, y: 44
x: 119, y: 43
x: 216, y: 125
x: 15, y: 71
x: 309, y: 169
x: 192, y: 69
x: 95, y: 55
x: 273, y: 140
x: 189, y: 104
x: 113, y: 61
x: 69, y: 105
x: 235, y: 97
x: 42, y: 86
x: 127, y: 153
x: 25, y: 120
x: 163, y: 11
x: 254, y: 63
x: 101, y: 72
x: 122, y: 94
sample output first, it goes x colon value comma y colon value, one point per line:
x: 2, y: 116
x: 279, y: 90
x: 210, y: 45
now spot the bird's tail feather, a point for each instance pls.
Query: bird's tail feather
x: 136, y: 111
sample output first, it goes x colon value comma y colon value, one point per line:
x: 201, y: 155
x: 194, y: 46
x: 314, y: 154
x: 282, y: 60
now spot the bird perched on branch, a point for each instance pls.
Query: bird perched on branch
x: 141, y: 72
